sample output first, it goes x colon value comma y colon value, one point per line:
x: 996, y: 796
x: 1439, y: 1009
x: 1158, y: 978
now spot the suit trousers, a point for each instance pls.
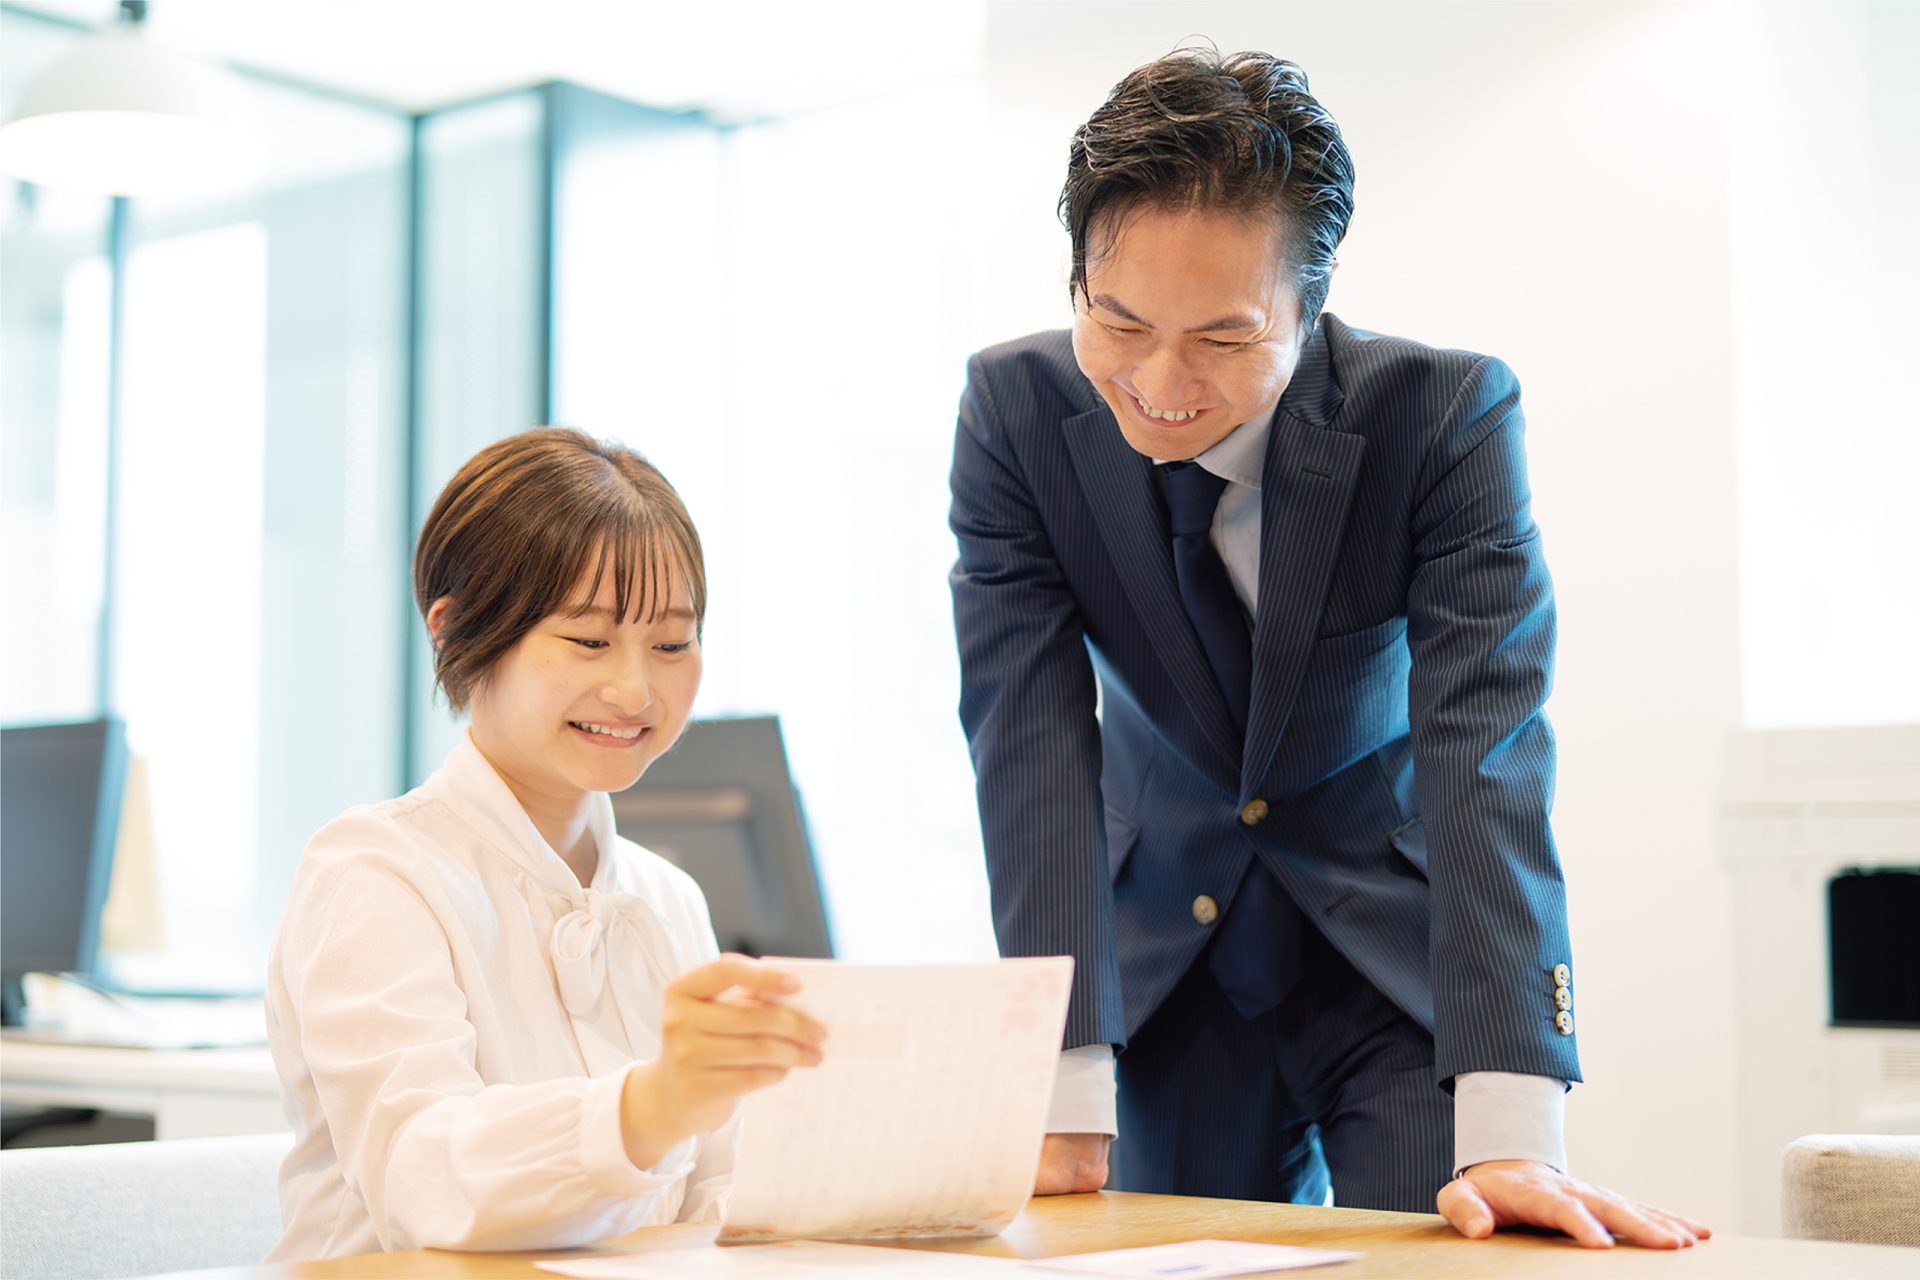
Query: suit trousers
x: 1333, y: 1088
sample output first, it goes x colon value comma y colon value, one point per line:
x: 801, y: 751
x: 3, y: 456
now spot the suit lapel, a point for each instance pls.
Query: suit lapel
x: 1118, y: 484
x: 1306, y: 487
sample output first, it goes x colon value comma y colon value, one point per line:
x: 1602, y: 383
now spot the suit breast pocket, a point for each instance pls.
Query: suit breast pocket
x: 1352, y: 698
x: 1358, y: 644
x: 1123, y: 833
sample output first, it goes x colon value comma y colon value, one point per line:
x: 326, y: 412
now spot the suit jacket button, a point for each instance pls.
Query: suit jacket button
x: 1562, y: 976
x: 1564, y: 1022
x: 1254, y: 812
x: 1205, y: 909
x: 1562, y: 998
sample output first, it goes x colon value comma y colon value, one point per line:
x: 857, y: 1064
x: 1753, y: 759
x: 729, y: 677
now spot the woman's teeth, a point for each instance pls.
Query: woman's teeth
x: 608, y: 730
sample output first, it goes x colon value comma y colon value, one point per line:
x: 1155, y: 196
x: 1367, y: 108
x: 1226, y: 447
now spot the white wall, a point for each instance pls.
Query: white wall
x: 1546, y: 183
x: 1826, y: 198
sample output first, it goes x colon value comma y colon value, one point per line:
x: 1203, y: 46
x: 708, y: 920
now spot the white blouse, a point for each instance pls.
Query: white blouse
x: 453, y: 1019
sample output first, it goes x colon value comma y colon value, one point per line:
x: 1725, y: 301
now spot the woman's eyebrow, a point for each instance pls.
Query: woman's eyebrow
x: 605, y: 613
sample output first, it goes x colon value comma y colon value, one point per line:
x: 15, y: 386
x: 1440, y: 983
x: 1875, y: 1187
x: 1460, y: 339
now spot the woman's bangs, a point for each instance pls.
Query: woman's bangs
x: 650, y: 569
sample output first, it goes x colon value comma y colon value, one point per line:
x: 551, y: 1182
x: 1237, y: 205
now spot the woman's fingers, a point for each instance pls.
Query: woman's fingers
x: 729, y: 971
x: 723, y: 1018
x: 712, y: 1052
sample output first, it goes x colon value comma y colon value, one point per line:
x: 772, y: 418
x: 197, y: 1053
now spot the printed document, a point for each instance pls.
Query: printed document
x: 926, y: 1115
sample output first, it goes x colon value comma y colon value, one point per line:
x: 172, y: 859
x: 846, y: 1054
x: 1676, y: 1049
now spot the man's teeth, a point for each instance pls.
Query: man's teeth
x: 1164, y: 415
x: 607, y: 729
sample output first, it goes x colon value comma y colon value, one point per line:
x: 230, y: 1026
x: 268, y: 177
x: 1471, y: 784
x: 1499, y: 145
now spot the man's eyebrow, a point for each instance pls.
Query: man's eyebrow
x: 1113, y: 304
x: 1118, y: 308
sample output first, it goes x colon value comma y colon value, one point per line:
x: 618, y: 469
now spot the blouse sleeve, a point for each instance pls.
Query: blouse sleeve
x: 439, y: 1158
x: 712, y: 1175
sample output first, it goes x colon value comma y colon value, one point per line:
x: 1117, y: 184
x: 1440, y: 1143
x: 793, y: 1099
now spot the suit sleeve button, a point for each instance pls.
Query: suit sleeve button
x: 1562, y: 999
x: 1563, y: 1021
x: 1562, y: 976
x: 1205, y: 909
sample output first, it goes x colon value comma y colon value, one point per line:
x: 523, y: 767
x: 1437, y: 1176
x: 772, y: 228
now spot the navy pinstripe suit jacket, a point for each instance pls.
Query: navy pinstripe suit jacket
x: 1402, y: 652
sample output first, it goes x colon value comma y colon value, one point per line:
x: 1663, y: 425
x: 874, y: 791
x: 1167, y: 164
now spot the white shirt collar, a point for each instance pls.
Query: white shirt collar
x: 1240, y: 456
x: 480, y: 796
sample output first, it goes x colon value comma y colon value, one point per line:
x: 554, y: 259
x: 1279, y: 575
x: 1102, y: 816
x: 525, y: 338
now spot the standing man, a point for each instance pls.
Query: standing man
x: 1255, y: 633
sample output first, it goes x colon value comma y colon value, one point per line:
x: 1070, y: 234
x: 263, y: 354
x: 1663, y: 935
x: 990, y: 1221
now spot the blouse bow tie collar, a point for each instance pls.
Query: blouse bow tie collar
x: 606, y: 922
x: 595, y: 931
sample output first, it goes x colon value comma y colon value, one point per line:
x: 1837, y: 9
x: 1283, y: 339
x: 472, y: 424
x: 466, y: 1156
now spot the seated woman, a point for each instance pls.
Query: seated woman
x: 498, y: 1024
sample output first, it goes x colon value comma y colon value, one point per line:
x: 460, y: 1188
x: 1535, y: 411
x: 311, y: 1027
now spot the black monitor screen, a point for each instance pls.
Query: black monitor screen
x: 60, y: 788
x: 722, y: 807
x: 1873, y: 946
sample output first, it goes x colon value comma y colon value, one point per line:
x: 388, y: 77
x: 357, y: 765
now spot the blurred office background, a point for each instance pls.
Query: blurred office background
x: 758, y: 242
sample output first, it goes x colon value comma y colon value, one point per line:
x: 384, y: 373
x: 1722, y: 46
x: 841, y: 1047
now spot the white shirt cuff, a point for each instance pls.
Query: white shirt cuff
x: 1083, y: 1092
x: 603, y: 1150
x: 1501, y: 1115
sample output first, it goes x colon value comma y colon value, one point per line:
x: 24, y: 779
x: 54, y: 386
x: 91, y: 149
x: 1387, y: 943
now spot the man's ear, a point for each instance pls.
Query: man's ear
x: 437, y: 615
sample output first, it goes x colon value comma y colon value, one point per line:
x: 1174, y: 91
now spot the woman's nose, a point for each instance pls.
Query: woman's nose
x: 629, y: 692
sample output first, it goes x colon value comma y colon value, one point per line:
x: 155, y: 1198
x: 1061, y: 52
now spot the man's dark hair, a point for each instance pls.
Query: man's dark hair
x: 1196, y: 131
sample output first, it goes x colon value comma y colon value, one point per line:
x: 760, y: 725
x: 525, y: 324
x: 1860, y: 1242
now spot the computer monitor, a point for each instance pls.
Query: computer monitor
x: 60, y: 789
x: 722, y: 807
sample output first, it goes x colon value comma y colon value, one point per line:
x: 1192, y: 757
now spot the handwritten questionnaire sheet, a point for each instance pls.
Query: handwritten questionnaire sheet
x: 926, y: 1115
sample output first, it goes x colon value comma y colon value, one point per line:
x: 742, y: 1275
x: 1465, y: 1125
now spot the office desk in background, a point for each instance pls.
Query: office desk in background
x: 1396, y: 1244
x: 189, y: 1093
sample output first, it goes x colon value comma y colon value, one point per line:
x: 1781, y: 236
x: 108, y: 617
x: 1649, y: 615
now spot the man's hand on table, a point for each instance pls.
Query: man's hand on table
x: 1071, y: 1163
x: 1512, y: 1193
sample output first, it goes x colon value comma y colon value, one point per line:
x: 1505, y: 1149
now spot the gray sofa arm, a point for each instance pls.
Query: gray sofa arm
x: 1859, y: 1188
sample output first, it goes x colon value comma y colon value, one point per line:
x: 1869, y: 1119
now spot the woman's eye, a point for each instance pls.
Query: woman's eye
x: 588, y: 644
x: 680, y: 647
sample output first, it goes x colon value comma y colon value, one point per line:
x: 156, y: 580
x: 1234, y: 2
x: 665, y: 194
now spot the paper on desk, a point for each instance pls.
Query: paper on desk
x: 925, y: 1117
x: 1194, y: 1260
x: 785, y: 1258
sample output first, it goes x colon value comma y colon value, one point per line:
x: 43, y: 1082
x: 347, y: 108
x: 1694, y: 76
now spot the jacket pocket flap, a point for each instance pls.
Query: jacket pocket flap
x: 1122, y: 834
x: 1410, y: 838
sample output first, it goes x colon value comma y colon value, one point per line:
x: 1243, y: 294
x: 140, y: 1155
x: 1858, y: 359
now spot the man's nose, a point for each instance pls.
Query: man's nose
x: 1161, y: 379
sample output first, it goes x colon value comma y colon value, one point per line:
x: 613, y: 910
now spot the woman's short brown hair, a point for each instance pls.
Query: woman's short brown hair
x: 517, y: 528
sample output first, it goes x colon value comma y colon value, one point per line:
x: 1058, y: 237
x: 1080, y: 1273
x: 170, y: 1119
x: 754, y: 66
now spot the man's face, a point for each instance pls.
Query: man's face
x: 1188, y: 328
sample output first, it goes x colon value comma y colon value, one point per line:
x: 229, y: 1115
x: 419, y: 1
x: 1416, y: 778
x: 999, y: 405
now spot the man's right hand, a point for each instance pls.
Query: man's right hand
x: 1071, y: 1163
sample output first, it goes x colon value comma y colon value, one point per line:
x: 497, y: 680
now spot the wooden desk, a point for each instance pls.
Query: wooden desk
x: 1396, y: 1244
x: 190, y: 1093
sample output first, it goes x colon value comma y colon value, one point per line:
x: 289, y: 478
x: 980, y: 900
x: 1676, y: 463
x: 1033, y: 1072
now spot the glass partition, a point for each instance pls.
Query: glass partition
x: 261, y: 525
x: 54, y: 330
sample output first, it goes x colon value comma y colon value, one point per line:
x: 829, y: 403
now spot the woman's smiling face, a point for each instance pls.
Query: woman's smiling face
x: 1188, y: 327
x: 587, y: 699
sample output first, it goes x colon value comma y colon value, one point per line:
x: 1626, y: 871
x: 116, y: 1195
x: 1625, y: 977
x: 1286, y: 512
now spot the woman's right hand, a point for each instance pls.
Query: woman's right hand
x: 723, y: 1034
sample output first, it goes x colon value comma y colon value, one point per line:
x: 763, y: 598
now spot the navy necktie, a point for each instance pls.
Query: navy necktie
x: 1256, y: 957
x: 1205, y: 589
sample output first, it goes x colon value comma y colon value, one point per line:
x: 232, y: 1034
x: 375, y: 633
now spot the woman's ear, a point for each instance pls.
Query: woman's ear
x: 437, y: 614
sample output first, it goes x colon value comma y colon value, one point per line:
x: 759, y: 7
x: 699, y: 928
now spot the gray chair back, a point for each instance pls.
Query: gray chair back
x: 134, y: 1208
x: 1857, y: 1188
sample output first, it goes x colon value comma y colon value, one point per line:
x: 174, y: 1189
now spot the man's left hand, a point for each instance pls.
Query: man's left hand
x: 1513, y: 1193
